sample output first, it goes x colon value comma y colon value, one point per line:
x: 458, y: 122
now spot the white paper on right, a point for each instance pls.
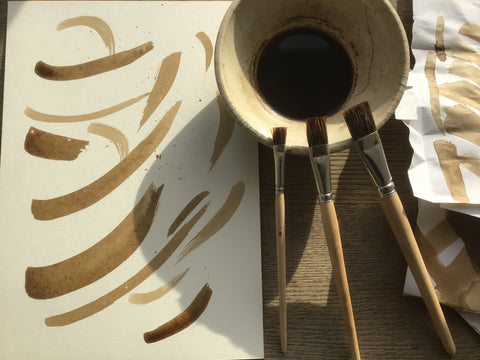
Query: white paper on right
x: 448, y: 242
x: 443, y: 104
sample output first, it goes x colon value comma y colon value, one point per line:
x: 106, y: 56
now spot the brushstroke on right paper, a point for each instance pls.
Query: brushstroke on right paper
x: 445, y: 81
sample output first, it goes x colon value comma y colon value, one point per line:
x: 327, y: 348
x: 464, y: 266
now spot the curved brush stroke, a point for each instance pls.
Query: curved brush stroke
x: 182, y: 320
x: 165, y: 78
x: 462, y: 51
x: 39, y: 116
x: 218, y: 221
x: 94, y: 67
x: 462, y: 92
x: 97, y: 24
x: 465, y: 70
x: 439, y: 43
x: 80, y: 199
x: 224, y: 133
x: 145, y: 298
x: 52, y: 146
x: 450, y: 163
x: 470, y: 30
x: 463, y: 122
x: 430, y: 64
x: 47, y: 282
x: 207, y: 45
x: 109, y: 298
x: 186, y: 210
x: 114, y: 135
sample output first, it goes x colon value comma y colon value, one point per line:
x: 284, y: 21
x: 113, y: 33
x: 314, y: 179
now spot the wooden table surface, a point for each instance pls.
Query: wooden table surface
x: 389, y: 325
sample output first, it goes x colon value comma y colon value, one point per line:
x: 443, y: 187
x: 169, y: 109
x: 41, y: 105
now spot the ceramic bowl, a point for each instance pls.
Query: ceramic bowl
x: 369, y: 30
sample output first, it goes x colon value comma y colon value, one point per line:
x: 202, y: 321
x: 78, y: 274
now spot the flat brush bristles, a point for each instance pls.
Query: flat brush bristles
x: 360, y: 120
x: 317, y: 131
x: 279, y: 135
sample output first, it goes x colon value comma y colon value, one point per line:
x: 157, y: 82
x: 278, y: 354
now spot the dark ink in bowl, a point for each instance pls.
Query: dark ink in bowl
x: 303, y: 73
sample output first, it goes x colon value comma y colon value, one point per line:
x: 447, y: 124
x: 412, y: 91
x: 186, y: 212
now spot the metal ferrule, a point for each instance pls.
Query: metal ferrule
x: 279, y: 157
x: 371, y: 151
x: 320, y: 159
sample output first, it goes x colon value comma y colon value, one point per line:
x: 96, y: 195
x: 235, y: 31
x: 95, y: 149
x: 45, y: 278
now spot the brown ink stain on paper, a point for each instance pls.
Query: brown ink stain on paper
x: 439, y: 43
x: 52, y: 146
x: 182, y: 320
x: 95, y: 23
x: 39, y: 116
x: 108, y: 299
x: 450, y: 163
x: 430, y: 64
x: 94, y: 67
x: 463, y: 122
x: 457, y: 282
x: 224, y: 132
x: 114, y: 135
x: 465, y: 70
x: 218, y: 221
x: 462, y: 92
x: 50, y: 281
x: 468, y: 228
x: 145, y: 298
x: 463, y: 51
x: 470, y: 30
x: 165, y: 78
x: 208, y: 47
x: 186, y: 211
x: 80, y: 199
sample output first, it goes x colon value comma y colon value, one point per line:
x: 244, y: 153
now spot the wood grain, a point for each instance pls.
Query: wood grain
x: 389, y: 325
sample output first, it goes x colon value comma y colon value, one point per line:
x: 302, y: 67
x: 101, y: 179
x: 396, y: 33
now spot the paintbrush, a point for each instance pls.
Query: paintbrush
x: 362, y: 127
x: 279, y: 135
x: 320, y: 159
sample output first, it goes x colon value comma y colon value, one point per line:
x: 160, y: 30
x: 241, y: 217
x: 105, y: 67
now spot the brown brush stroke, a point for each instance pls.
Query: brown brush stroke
x: 463, y: 122
x: 182, y: 320
x: 439, y: 43
x: 80, y: 199
x: 462, y: 92
x: 117, y: 137
x: 109, y: 298
x: 95, y: 23
x: 470, y: 30
x: 39, y: 116
x: 94, y: 67
x: 468, y: 228
x: 165, y: 78
x: 50, y: 146
x: 224, y: 132
x: 207, y: 45
x: 472, y: 163
x: 218, y: 221
x: 71, y: 274
x: 430, y: 64
x: 450, y: 163
x: 145, y: 298
x: 453, y: 282
x: 186, y: 211
x: 462, y: 51
x: 465, y: 70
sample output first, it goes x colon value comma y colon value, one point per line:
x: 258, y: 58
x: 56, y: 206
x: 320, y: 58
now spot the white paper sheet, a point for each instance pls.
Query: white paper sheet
x: 448, y: 261
x: 70, y: 314
x: 445, y: 78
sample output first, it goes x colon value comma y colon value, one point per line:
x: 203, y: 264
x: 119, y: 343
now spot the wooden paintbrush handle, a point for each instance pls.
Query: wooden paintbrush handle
x: 281, y: 267
x: 334, y: 243
x: 400, y: 225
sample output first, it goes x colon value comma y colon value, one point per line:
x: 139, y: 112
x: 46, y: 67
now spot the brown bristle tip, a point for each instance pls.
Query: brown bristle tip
x: 317, y: 131
x: 360, y: 120
x: 279, y: 135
